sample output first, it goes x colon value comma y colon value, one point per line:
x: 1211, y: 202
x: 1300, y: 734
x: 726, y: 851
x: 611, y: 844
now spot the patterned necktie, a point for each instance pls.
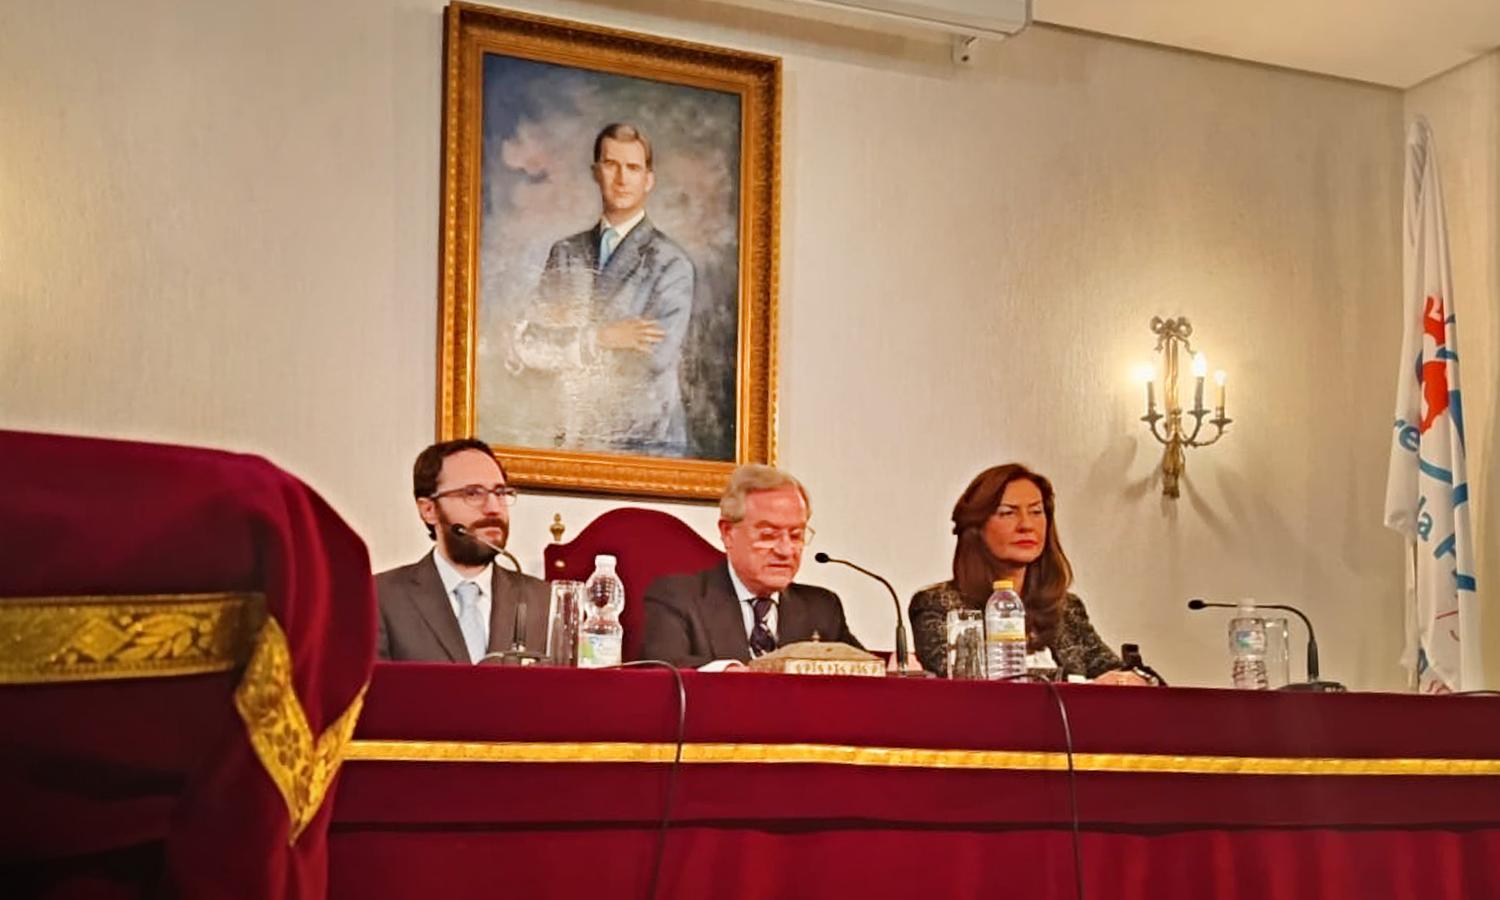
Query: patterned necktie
x: 469, y: 621
x: 608, y: 241
x: 762, y: 641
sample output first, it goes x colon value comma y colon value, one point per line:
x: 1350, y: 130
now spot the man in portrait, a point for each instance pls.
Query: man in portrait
x: 611, y: 311
x: 747, y: 605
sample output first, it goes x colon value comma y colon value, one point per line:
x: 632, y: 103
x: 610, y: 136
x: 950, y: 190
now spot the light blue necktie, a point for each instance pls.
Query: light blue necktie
x: 608, y: 241
x: 469, y: 621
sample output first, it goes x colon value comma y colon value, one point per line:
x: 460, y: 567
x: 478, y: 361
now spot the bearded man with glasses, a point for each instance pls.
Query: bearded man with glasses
x: 747, y: 605
x: 455, y: 604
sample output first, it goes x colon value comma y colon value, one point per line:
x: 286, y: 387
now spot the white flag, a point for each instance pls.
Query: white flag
x: 1427, y: 491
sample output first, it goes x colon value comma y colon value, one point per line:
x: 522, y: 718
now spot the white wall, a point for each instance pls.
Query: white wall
x: 218, y: 226
x: 1463, y: 106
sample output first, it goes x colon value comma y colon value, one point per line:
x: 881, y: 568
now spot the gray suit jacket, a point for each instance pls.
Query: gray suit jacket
x: 612, y: 399
x: 694, y: 619
x: 417, y: 621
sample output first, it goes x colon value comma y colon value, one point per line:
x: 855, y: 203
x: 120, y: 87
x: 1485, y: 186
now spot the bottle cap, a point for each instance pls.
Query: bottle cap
x: 1004, y: 584
x: 604, y: 561
x: 1247, y: 606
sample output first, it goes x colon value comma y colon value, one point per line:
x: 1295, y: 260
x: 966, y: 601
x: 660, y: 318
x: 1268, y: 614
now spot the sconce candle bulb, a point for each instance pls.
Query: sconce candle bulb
x: 1173, y: 335
x: 1147, y: 376
x: 1200, y: 369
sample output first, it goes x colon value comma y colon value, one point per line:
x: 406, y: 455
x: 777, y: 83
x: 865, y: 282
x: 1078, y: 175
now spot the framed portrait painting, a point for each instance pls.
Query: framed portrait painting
x: 608, y: 253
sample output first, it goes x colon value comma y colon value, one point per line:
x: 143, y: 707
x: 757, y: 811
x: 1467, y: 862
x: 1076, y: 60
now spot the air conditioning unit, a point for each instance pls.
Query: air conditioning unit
x: 967, y: 18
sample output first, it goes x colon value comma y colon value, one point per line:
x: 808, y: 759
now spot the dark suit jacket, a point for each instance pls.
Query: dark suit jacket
x: 417, y: 621
x: 694, y: 619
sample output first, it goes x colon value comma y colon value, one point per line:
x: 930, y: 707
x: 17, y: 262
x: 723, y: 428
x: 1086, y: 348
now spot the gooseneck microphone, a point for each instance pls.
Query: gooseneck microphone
x: 517, y: 651
x: 461, y: 531
x: 900, y: 625
x: 1313, y: 683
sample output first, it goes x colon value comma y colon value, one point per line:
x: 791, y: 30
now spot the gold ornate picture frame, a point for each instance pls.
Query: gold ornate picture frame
x: 641, y: 362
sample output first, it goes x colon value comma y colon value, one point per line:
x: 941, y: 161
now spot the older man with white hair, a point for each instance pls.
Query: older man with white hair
x: 747, y: 605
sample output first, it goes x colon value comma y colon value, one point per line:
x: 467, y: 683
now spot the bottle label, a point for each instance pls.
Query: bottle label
x: 1007, y: 629
x: 596, y: 651
x: 1249, y: 640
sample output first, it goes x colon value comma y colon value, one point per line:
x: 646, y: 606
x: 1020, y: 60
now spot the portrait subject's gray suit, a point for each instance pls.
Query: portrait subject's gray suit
x: 695, y: 619
x: 623, y: 400
x: 417, y: 621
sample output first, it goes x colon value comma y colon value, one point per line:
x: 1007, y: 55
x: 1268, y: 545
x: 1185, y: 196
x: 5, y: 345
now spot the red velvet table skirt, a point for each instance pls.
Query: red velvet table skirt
x: 837, y: 859
x: 842, y: 787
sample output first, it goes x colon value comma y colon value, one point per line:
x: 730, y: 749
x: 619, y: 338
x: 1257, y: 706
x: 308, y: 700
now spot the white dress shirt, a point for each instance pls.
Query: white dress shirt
x: 624, y: 228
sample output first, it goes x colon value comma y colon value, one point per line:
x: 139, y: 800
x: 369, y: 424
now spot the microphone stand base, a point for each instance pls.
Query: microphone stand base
x: 511, y: 658
x: 909, y: 673
x: 1314, y: 687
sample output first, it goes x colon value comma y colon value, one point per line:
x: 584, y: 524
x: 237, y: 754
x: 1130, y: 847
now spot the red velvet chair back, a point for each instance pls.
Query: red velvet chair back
x: 116, y: 780
x: 648, y: 545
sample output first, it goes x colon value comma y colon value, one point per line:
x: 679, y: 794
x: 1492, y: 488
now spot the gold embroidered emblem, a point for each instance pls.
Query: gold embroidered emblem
x: 301, y: 767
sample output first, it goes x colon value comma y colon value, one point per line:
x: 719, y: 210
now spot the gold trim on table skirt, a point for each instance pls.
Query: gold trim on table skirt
x: 45, y: 640
x: 901, y: 757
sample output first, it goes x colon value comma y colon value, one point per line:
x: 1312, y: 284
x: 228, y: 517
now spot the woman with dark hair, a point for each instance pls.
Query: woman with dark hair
x: 1006, y: 530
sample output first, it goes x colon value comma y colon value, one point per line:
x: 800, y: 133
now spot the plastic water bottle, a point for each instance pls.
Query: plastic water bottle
x: 1247, y: 648
x: 601, y: 637
x: 1004, y: 633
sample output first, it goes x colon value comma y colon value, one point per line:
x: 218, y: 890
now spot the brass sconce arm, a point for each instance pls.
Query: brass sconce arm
x: 1173, y: 335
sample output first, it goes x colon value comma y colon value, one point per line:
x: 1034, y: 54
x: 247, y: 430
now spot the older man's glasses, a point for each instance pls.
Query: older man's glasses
x: 474, y: 494
x: 771, y: 538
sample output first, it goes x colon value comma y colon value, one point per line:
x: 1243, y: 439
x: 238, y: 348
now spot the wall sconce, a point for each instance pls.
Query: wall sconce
x: 1172, y: 334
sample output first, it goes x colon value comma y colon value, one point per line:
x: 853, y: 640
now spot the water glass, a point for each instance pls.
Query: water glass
x: 965, y: 644
x: 1278, y: 654
x: 564, y: 614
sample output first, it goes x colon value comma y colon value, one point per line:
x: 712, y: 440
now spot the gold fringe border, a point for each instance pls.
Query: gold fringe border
x: 301, y: 767
x: 903, y: 757
x: 55, y: 640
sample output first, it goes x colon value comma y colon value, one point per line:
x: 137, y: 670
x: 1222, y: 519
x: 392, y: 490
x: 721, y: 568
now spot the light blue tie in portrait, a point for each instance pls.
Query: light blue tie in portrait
x: 469, y: 621
x: 608, y: 241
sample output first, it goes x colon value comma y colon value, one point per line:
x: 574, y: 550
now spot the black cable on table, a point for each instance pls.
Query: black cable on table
x: 1062, y: 713
x: 670, y: 792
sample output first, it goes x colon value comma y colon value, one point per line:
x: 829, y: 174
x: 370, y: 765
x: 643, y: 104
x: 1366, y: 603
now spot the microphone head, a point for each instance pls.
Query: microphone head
x: 1197, y: 603
x: 820, y: 556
